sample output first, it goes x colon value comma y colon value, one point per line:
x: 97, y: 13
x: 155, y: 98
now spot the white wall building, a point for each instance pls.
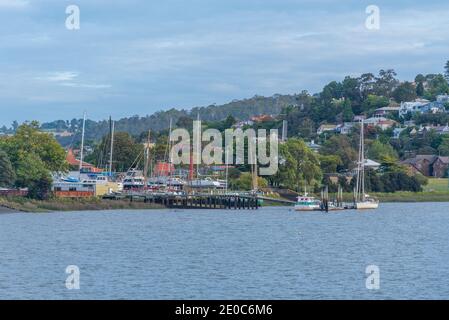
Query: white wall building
x: 412, y: 107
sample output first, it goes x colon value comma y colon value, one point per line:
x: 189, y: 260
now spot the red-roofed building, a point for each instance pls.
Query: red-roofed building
x: 75, y: 163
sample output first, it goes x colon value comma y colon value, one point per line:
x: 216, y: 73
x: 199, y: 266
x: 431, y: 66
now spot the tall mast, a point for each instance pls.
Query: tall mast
x: 227, y: 174
x: 147, y: 158
x: 112, y: 145
x: 255, y: 177
x: 360, y: 186
x: 82, y: 142
x: 198, y: 149
x: 170, y: 155
x: 363, y: 160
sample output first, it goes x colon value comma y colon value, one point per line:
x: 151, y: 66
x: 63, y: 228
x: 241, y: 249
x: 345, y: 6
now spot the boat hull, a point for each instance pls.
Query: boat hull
x: 308, y: 208
x: 366, y: 205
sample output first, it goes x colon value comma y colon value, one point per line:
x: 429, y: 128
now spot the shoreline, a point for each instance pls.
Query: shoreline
x: 65, y: 205
x: 15, y: 205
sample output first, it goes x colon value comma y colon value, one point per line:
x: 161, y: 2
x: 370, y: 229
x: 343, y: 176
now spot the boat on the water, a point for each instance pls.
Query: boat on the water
x: 361, y: 199
x: 307, y: 203
x: 134, y: 180
x: 367, y: 203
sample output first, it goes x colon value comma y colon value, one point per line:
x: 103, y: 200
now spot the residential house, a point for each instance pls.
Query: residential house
x: 242, y: 124
x: 428, y: 165
x: 443, y: 129
x: 409, y: 123
x: 262, y: 118
x: 314, y: 146
x: 359, y: 118
x: 380, y: 122
x: 444, y: 98
x: 326, y: 128
x: 346, y: 127
x: 75, y: 163
x: 422, y: 106
x: 433, y: 107
x: 382, y: 112
x: 441, y: 167
x: 369, y: 164
x: 412, y: 107
x: 438, y: 129
x: 397, y: 132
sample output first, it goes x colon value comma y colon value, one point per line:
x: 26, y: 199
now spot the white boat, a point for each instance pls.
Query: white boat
x: 363, y: 200
x: 307, y: 203
x: 367, y: 203
x: 204, y: 183
x: 134, y: 179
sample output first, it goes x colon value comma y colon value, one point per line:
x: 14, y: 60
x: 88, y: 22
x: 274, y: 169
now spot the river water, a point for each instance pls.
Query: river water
x: 272, y: 253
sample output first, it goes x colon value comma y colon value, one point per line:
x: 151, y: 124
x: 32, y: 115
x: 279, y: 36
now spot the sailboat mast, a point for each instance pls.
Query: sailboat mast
x: 255, y: 182
x: 112, y: 145
x: 198, y: 146
x: 82, y: 142
x: 147, y: 158
x: 170, y: 155
x: 357, y: 190
x: 363, y: 160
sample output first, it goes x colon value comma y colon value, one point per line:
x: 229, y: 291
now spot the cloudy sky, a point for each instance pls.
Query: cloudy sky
x: 140, y: 56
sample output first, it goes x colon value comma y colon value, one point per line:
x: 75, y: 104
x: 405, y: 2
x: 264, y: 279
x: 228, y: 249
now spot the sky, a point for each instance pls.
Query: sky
x: 136, y: 57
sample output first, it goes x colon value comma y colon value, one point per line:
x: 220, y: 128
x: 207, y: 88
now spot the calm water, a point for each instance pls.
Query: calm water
x: 273, y: 253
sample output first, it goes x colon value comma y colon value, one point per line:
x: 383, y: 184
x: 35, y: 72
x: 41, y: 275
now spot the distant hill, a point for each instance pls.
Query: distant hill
x: 135, y: 125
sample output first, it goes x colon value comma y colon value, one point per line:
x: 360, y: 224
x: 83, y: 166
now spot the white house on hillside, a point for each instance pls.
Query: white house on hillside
x: 412, y: 107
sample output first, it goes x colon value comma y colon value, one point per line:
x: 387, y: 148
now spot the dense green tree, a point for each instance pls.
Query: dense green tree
x: 378, y: 150
x: 245, y: 182
x: 436, y: 85
x: 330, y: 163
x: 298, y: 166
x: 29, y: 169
x: 340, y: 146
x: 446, y: 71
x: 386, y: 82
x: 126, y: 152
x: 420, y: 89
x: 367, y: 83
x: 347, y: 113
x: 373, y: 102
x: 40, y: 189
x: 443, y: 148
x: 7, y: 174
x: 28, y: 140
x: 405, y: 92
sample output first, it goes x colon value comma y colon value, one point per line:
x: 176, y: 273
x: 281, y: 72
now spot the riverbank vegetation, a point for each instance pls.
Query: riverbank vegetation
x: 28, y: 158
x: 65, y: 204
x: 310, y: 157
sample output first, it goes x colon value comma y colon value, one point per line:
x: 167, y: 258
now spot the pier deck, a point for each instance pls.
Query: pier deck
x: 197, y: 201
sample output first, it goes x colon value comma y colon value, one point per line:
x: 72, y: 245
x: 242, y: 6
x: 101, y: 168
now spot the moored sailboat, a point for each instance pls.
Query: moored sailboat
x: 361, y: 199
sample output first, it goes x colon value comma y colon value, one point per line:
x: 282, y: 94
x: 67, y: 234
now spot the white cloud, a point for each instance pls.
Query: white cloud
x: 86, y: 85
x: 67, y: 79
x: 60, y: 76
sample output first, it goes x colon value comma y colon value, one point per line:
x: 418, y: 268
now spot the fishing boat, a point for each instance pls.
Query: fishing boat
x: 361, y: 199
x: 307, y: 203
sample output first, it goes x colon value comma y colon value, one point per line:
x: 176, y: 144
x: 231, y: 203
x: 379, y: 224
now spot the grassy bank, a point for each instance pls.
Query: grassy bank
x: 413, y: 197
x: 403, y: 196
x: 28, y: 205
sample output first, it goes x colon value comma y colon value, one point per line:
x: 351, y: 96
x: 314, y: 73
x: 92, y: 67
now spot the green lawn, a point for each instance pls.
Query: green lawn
x: 439, y: 185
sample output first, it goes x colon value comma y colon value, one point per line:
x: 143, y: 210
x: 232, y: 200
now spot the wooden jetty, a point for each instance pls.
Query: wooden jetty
x: 197, y: 201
